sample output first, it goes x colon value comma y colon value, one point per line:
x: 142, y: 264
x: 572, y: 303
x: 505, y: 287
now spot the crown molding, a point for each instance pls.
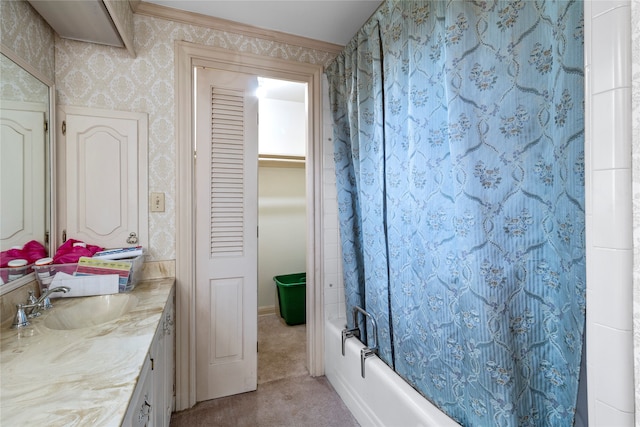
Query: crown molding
x: 191, y: 18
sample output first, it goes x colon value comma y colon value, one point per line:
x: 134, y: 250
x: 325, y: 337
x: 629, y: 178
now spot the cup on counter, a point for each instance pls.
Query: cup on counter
x: 17, y: 268
x: 45, y: 271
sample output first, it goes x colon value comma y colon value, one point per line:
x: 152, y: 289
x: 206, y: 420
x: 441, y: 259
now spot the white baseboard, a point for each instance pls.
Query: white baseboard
x: 267, y: 309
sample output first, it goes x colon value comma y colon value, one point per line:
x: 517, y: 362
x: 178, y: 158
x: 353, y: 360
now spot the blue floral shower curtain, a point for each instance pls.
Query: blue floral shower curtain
x: 459, y: 130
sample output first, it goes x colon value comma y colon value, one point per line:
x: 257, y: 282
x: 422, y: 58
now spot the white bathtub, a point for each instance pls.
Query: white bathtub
x: 382, y: 398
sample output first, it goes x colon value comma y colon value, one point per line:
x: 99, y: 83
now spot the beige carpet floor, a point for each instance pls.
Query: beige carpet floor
x: 286, y: 397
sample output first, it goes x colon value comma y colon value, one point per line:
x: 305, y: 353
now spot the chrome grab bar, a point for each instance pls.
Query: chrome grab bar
x: 366, y: 352
x: 374, y: 332
x: 348, y: 333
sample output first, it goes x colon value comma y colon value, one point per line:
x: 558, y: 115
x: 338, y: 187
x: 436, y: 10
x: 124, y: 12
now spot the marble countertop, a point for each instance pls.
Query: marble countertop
x: 78, y: 377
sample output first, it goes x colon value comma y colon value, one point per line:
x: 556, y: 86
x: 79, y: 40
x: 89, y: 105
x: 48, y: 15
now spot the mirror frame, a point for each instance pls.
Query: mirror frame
x: 50, y: 159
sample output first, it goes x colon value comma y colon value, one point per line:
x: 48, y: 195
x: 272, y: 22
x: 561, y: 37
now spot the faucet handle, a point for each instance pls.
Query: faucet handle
x: 21, y: 320
x: 46, y: 303
x: 32, y: 298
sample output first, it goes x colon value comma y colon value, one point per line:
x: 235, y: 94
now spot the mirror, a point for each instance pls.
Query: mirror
x: 25, y: 159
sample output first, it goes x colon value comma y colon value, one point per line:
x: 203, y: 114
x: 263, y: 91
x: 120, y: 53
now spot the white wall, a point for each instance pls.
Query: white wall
x: 635, y: 165
x: 609, y: 213
x: 333, y: 285
x: 282, y: 243
x: 283, y: 127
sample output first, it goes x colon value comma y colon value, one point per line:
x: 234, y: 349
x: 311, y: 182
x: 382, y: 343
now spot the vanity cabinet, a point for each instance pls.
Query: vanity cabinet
x: 163, y: 358
x: 140, y: 411
x: 123, y: 366
x: 153, y: 399
x: 103, y: 179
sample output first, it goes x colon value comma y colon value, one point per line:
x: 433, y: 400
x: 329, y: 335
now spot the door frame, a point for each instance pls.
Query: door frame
x: 190, y: 55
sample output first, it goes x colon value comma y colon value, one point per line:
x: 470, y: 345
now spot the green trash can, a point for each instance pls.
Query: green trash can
x: 292, y: 297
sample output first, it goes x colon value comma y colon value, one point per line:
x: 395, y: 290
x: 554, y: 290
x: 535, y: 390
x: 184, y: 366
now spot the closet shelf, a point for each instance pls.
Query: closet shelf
x: 281, y: 161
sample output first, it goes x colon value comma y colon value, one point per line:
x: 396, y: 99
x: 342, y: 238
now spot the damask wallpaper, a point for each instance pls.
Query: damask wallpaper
x: 25, y: 32
x: 98, y: 76
x: 18, y: 85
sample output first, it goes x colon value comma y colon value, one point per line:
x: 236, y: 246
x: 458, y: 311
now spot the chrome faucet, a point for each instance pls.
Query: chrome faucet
x: 43, y: 303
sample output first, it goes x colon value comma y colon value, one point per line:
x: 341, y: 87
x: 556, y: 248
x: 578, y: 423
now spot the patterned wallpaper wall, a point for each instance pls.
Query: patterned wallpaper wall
x: 105, y: 77
x: 30, y: 37
x: 18, y: 85
x: 24, y: 31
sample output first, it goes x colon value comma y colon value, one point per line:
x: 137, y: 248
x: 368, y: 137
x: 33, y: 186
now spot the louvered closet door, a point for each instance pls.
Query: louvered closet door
x: 226, y: 233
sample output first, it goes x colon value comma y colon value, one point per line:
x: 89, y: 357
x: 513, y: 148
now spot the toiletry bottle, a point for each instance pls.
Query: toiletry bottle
x: 17, y: 268
x: 45, y: 271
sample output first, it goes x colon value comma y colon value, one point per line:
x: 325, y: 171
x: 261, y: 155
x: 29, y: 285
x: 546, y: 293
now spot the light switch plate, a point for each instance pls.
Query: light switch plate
x: 157, y: 202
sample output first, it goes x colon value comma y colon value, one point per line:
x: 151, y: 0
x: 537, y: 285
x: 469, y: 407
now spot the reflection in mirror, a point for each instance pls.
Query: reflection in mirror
x: 24, y: 161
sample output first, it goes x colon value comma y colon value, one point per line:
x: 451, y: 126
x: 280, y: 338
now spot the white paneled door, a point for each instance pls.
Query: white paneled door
x: 226, y: 233
x: 105, y: 176
x: 22, y: 177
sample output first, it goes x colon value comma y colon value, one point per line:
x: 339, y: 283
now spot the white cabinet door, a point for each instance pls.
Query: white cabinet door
x: 162, y: 351
x: 158, y: 366
x: 169, y: 357
x: 105, y: 176
x: 22, y: 177
x: 140, y: 410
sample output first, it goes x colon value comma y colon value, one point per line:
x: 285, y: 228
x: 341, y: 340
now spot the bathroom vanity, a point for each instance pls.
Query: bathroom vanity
x: 93, y: 361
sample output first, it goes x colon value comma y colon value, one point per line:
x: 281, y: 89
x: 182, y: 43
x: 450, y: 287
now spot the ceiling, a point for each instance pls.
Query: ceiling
x: 332, y: 21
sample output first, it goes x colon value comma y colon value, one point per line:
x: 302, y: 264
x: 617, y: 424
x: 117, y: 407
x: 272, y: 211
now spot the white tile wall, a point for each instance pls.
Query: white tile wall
x: 601, y: 387
x: 608, y: 206
x: 605, y: 415
x: 333, y: 285
x: 611, y: 188
x: 635, y: 156
x: 611, y: 266
x: 610, y: 50
x: 609, y: 213
x: 602, y: 6
x: 612, y: 125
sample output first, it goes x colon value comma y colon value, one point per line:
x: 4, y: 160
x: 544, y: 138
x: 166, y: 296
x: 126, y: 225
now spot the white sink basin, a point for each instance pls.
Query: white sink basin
x: 89, y: 311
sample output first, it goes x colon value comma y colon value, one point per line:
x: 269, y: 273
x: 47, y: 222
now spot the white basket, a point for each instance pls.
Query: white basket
x: 136, y: 272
